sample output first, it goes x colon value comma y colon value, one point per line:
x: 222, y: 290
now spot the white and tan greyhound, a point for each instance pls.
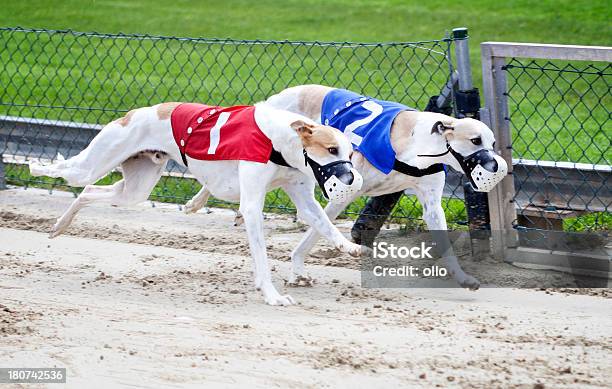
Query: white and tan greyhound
x: 397, y: 148
x: 237, y: 153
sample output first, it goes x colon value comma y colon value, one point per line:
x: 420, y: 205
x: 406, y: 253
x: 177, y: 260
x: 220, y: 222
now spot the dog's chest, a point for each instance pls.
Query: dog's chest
x: 213, y: 133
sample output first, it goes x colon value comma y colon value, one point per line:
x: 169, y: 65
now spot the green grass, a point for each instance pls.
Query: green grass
x: 558, y: 114
x: 595, y: 221
x: 561, y: 21
x: 582, y: 22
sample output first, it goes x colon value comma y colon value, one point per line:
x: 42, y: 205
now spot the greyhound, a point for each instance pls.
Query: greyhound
x: 237, y: 153
x: 415, y: 148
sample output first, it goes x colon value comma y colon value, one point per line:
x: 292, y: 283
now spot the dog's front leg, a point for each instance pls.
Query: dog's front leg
x: 309, y: 210
x: 253, y: 182
x: 299, y: 276
x: 429, y: 194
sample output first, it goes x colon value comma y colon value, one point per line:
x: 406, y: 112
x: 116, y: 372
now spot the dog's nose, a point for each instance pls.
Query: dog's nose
x: 346, y: 178
x: 491, y: 166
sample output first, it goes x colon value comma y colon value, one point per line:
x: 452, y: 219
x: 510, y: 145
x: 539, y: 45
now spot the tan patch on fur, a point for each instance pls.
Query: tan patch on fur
x: 124, y: 121
x: 164, y: 110
x: 322, y: 138
x: 401, y: 131
x: 359, y: 161
x: 311, y: 99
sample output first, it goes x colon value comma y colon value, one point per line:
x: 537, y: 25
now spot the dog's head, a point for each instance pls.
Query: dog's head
x: 327, y: 155
x: 472, y: 144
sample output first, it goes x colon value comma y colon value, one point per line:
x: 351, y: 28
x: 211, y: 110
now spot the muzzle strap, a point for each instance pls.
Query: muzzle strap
x: 414, y: 171
x: 184, y: 158
x: 277, y: 158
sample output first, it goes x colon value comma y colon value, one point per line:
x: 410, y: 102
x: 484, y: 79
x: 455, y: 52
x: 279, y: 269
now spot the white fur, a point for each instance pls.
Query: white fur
x: 145, y: 144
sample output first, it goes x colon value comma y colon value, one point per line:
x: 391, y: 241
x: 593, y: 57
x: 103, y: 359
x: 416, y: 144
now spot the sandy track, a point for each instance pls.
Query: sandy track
x: 180, y: 311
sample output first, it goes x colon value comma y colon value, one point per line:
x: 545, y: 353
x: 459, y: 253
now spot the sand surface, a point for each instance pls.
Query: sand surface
x: 148, y: 297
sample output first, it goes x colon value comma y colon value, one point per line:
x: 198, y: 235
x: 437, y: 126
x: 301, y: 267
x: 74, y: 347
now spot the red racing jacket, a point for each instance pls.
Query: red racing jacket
x: 213, y: 133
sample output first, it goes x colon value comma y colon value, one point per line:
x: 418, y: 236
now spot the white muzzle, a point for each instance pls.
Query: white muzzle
x: 338, y: 192
x: 484, y: 180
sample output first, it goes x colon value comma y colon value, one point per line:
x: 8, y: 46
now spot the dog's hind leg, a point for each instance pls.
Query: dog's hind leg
x: 140, y: 174
x: 116, y: 142
x: 198, y: 201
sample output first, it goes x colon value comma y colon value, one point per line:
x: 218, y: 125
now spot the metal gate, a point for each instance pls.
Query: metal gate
x: 549, y: 106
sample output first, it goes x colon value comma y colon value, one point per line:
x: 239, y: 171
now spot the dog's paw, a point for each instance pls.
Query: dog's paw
x: 280, y: 300
x: 469, y: 282
x: 356, y: 250
x: 191, y: 207
x: 272, y: 297
x: 366, y: 251
x: 56, y: 230
x: 299, y: 280
x: 347, y: 247
x: 239, y: 219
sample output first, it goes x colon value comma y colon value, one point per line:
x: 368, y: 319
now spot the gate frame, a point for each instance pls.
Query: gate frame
x: 496, y: 115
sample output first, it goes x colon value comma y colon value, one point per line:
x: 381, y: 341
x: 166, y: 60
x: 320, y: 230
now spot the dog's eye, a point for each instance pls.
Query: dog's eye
x: 476, y: 141
x: 333, y: 150
x: 493, y: 145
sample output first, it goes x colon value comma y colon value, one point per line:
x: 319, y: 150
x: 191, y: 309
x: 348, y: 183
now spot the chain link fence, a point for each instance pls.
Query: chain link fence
x: 549, y: 107
x: 559, y: 112
x: 59, y: 87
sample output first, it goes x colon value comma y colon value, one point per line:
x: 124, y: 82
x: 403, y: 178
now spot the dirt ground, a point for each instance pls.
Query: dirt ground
x: 148, y: 297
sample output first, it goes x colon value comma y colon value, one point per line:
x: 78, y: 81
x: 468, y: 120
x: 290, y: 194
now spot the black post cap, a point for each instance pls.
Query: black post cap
x: 460, y: 33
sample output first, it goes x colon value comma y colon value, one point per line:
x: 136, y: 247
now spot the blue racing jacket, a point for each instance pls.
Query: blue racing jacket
x: 366, y: 122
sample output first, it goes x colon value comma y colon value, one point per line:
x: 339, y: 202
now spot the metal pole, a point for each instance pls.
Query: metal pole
x: 462, y: 53
x: 467, y: 100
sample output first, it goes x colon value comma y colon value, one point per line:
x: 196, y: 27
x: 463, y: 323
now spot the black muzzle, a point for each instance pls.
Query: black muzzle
x: 337, y: 180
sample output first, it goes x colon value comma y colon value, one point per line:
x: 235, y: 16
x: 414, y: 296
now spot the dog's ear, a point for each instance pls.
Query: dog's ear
x: 303, y: 129
x: 444, y: 129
